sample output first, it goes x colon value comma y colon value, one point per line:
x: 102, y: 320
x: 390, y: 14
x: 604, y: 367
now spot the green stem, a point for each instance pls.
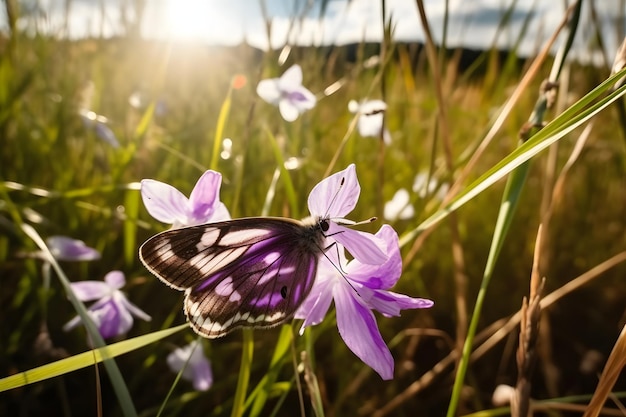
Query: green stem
x: 244, y: 373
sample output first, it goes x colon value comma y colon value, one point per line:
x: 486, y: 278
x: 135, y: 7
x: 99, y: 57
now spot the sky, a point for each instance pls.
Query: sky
x: 472, y: 23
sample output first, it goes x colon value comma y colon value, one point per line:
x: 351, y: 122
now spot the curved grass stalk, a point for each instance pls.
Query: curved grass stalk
x: 85, y: 359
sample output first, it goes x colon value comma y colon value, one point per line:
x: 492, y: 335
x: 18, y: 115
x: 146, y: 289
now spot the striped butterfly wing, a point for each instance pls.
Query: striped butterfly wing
x: 250, y: 272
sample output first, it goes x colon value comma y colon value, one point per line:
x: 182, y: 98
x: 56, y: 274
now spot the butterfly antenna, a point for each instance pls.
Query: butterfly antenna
x: 343, y: 181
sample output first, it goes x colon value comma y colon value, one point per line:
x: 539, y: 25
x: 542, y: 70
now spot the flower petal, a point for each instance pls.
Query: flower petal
x: 291, y: 78
x: 336, y: 195
x: 115, y: 279
x: 90, y: 290
x: 370, y: 125
x: 353, y: 106
x: 316, y: 305
x: 65, y: 248
x: 269, y: 91
x: 365, y: 247
x: 357, y: 326
x: 301, y: 98
x: 197, y: 368
x: 111, y: 318
x: 205, y: 196
x: 399, y: 207
x: 288, y: 111
x: 386, y: 274
x: 164, y: 202
x: 105, y: 133
x: 132, y: 308
x: 220, y: 213
x: 390, y: 303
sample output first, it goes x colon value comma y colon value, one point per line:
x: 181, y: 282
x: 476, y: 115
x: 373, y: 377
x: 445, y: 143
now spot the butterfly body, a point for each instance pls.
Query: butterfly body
x: 249, y: 272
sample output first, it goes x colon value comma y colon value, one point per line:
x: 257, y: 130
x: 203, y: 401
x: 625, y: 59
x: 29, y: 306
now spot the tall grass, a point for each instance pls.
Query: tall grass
x: 459, y: 125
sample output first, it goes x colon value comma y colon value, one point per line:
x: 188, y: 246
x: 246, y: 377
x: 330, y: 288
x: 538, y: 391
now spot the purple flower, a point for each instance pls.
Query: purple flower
x: 98, y: 124
x: 65, y: 248
x: 371, y: 118
x: 112, y: 313
x: 362, y: 289
x: 287, y: 93
x: 196, y: 367
x: 168, y: 205
x: 333, y: 198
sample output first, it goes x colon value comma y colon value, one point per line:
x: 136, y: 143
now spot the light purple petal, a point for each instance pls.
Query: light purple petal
x: 365, y: 247
x: 115, y: 279
x: 164, y: 202
x: 316, y: 305
x: 112, y: 319
x: 105, y: 133
x: 220, y: 213
x: 197, y: 369
x: 203, y: 376
x: 390, y: 303
x: 90, y: 290
x: 288, y: 111
x: 302, y: 99
x: 131, y: 308
x: 386, y: 274
x: 204, y: 196
x: 269, y: 91
x: 357, y: 326
x: 336, y: 195
x: 291, y: 78
x: 64, y: 248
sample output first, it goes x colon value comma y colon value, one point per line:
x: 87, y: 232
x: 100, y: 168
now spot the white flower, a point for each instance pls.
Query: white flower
x: 287, y: 93
x: 371, y: 118
x: 399, y: 207
x: 423, y: 189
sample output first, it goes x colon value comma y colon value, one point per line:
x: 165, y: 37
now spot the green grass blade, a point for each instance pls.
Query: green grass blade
x: 289, y: 188
x: 572, y: 118
x: 83, y: 360
x: 219, y: 129
x: 131, y: 210
x: 261, y: 392
x: 247, y: 351
x: 117, y: 381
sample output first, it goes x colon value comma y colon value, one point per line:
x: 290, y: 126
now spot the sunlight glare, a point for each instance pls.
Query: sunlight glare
x: 189, y: 19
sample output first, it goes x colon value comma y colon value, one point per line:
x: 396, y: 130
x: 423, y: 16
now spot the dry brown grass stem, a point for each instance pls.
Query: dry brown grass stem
x: 529, y: 334
x: 494, y: 333
x: 460, y: 277
x: 530, y: 74
x: 613, y: 368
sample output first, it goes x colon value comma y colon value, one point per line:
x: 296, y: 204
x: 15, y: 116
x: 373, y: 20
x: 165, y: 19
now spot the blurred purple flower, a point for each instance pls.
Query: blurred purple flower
x: 112, y: 312
x: 65, y: 248
x: 371, y: 115
x: 168, y: 205
x: 287, y: 93
x: 362, y: 289
x: 98, y: 124
x: 197, y: 368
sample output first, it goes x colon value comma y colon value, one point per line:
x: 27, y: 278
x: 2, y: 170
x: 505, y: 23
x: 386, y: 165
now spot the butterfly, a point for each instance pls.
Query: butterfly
x: 257, y: 271
x: 248, y: 272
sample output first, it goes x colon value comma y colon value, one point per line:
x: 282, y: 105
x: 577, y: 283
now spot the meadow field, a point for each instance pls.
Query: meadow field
x: 512, y: 211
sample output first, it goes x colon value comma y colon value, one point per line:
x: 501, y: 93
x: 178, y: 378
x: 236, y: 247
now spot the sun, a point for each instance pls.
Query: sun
x: 188, y: 19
